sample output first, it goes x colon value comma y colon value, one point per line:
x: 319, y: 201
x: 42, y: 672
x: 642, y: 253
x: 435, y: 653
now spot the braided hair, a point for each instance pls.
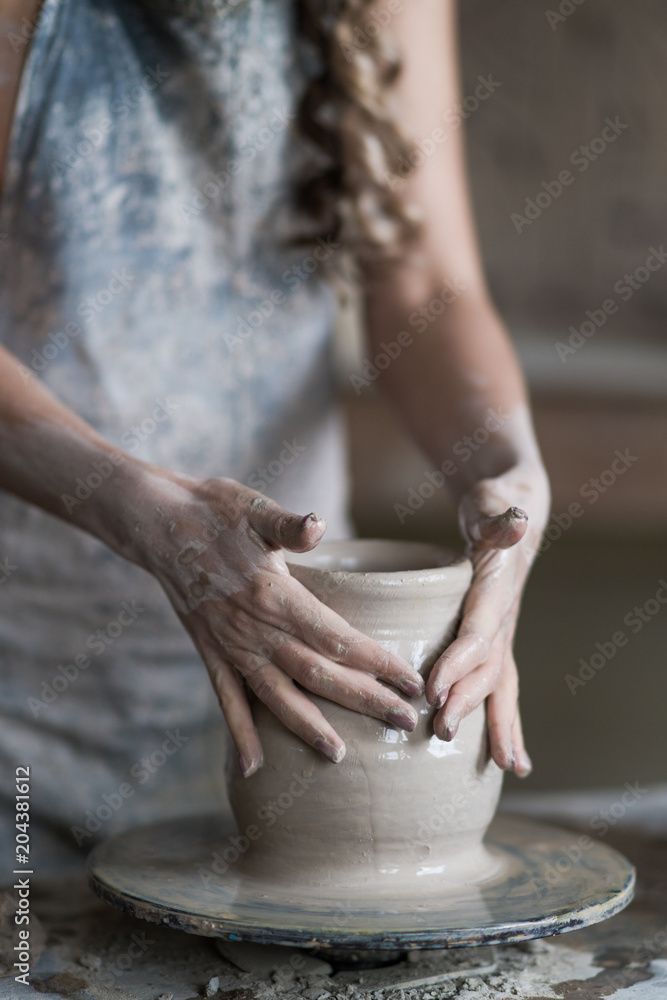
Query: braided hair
x: 350, y: 190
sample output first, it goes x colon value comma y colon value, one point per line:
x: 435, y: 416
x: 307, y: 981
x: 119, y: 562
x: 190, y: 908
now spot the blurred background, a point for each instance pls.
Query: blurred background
x: 579, y: 86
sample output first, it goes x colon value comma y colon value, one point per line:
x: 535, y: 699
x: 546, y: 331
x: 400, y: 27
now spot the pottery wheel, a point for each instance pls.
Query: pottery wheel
x: 544, y: 883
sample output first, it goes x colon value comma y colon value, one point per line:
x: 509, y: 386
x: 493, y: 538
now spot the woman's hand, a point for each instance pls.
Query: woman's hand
x: 216, y: 548
x: 479, y: 663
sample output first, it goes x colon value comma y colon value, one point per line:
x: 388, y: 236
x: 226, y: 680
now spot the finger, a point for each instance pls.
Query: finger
x: 485, y: 518
x: 500, y: 531
x: 294, y: 709
x: 465, y: 696
x: 501, y: 714
x: 484, y: 618
x: 281, y: 529
x: 524, y: 765
x: 233, y: 701
x: 321, y: 628
x: 463, y: 655
x: 350, y: 688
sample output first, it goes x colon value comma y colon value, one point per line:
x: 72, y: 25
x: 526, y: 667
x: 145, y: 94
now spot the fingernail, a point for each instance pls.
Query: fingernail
x: 401, y: 719
x: 451, y: 729
x: 498, y: 531
x: 410, y: 687
x: 331, y: 752
x: 308, y: 520
x: 516, y: 514
x: 247, y: 767
x: 441, y: 697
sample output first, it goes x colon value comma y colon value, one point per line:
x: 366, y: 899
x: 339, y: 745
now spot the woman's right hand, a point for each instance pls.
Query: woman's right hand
x: 216, y: 547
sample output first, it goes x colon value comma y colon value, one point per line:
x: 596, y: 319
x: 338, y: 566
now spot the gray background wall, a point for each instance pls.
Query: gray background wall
x: 558, y: 85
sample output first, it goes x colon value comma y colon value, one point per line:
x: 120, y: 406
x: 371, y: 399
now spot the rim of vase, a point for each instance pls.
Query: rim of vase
x: 384, y: 561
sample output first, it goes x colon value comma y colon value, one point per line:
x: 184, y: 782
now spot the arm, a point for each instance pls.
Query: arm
x: 460, y: 367
x: 215, y: 546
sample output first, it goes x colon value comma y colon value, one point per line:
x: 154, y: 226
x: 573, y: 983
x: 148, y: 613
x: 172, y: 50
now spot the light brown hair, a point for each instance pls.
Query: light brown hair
x: 351, y: 190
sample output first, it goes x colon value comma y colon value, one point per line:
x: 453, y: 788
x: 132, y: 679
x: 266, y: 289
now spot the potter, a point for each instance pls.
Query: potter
x: 163, y: 305
x: 400, y: 805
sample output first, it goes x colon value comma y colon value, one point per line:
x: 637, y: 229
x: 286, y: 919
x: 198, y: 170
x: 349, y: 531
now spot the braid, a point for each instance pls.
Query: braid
x: 359, y: 150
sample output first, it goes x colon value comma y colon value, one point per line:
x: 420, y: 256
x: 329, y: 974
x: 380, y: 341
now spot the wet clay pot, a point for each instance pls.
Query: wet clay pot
x: 400, y: 805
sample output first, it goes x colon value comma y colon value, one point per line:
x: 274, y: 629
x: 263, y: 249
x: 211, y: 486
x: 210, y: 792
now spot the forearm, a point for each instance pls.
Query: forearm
x: 52, y: 458
x: 457, y: 383
x: 458, y: 375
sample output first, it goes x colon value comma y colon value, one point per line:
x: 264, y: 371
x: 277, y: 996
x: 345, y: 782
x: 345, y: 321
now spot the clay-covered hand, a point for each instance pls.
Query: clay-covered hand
x: 217, y: 551
x: 479, y: 663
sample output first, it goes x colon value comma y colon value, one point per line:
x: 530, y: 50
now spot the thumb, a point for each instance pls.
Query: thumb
x: 283, y: 530
x: 485, y: 523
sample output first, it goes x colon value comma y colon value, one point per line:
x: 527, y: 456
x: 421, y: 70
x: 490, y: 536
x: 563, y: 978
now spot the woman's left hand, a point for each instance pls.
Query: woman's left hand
x: 502, y: 541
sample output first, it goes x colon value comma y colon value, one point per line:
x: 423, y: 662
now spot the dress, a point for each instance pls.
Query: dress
x: 143, y: 277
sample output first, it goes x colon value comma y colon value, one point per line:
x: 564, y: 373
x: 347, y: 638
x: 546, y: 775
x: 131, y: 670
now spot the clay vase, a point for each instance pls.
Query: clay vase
x: 400, y: 805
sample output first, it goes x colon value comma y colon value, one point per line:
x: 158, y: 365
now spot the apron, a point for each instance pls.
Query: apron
x: 144, y: 278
